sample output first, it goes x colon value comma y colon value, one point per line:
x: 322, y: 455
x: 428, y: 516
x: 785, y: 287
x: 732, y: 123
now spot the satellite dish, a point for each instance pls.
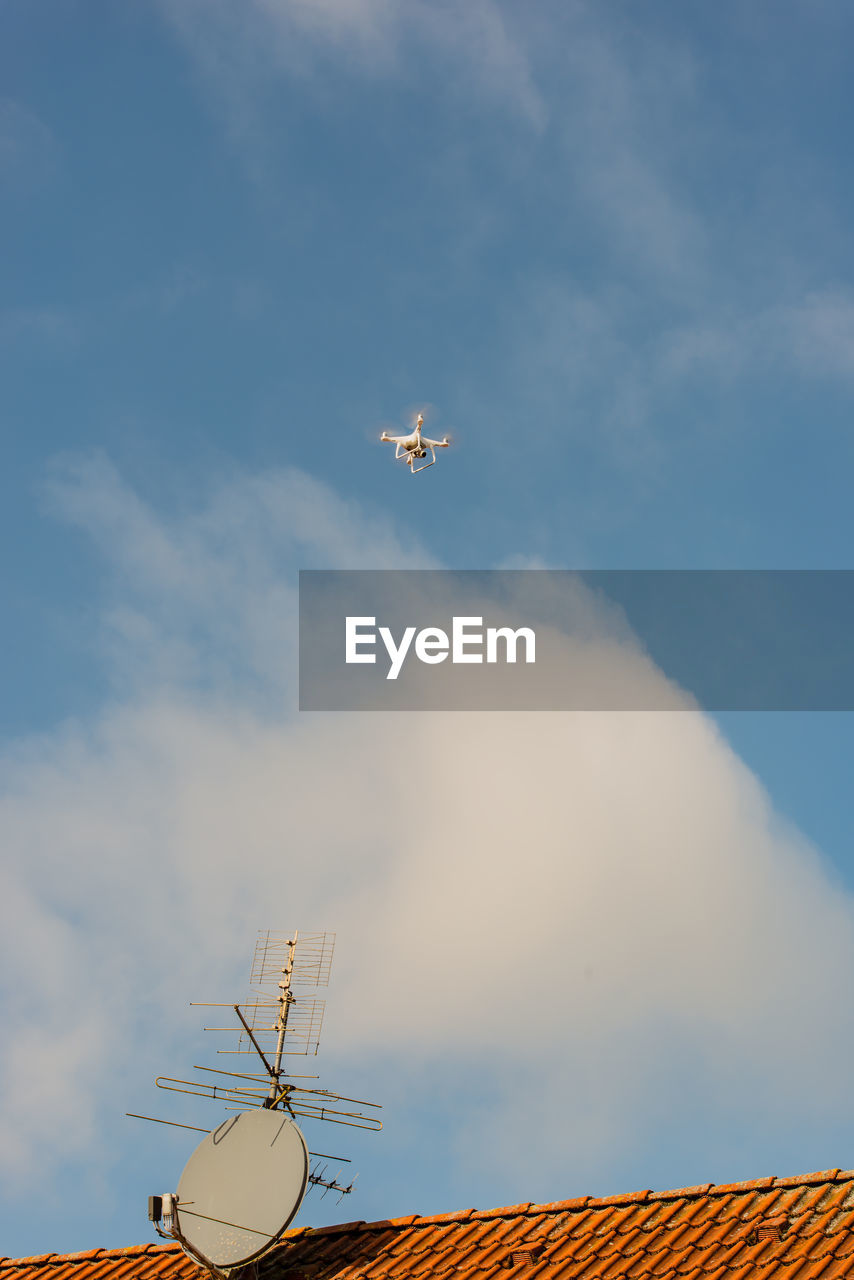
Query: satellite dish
x: 242, y: 1187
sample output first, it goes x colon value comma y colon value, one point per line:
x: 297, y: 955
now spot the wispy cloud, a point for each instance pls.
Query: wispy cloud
x: 213, y: 593
x: 623, y: 148
x: 585, y: 358
x: 819, y: 333
x: 237, y: 46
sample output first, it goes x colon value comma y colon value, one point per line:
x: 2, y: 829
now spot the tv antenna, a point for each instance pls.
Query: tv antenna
x: 244, y: 1183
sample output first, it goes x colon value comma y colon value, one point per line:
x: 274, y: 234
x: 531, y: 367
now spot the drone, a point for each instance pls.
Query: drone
x: 414, y: 447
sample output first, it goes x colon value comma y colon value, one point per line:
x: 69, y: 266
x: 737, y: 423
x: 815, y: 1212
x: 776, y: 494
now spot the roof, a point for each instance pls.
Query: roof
x: 771, y: 1229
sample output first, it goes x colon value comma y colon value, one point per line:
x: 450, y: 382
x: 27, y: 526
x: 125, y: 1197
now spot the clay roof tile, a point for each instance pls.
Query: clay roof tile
x: 767, y: 1229
x: 828, y: 1175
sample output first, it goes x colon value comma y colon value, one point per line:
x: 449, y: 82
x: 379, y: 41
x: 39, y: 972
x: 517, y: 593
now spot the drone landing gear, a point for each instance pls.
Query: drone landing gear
x: 405, y: 455
x: 424, y: 465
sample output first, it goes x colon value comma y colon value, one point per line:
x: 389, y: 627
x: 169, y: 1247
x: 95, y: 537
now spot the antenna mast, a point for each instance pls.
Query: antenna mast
x: 286, y: 999
x: 245, y: 1181
x: 273, y: 1023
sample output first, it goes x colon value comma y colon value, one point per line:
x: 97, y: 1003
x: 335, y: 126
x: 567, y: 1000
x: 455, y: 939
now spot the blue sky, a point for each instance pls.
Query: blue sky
x: 610, y: 244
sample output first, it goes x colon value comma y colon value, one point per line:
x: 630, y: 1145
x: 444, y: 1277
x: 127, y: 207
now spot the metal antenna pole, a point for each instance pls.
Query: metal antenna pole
x: 286, y: 999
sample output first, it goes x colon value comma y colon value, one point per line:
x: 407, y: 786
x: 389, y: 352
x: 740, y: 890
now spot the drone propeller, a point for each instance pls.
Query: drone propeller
x: 374, y: 433
x: 425, y: 410
x: 442, y: 437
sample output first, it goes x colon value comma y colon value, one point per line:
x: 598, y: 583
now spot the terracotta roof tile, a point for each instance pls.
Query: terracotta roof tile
x: 597, y: 1220
x: 799, y: 1270
x: 638, y: 1265
x: 632, y: 1197
x: 756, y: 1184
x: 719, y: 1274
x: 714, y: 1231
x: 482, y: 1230
x: 440, y: 1218
x: 661, y: 1263
x: 588, y: 1268
x: 573, y: 1223
x: 505, y: 1231
x: 564, y: 1206
x: 835, y: 1198
x: 819, y: 1268
x: 645, y: 1213
x: 701, y: 1190
x: 767, y: 1229
x: 700, y: 1210
x: 622, y: 1218
x: 826, y: 1175
x: 568, y: 1247
x: 546, y: 1272
x: 667, y: 1212
x: 791, y: 1200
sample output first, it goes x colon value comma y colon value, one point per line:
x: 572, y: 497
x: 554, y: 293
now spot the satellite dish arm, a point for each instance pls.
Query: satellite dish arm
x: 177, y: 1234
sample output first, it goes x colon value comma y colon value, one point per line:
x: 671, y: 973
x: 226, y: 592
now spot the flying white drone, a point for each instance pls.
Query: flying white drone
x: 414, y: 447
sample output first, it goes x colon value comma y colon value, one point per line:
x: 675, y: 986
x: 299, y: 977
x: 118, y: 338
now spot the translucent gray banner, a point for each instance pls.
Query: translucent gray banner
x: 559, y: 640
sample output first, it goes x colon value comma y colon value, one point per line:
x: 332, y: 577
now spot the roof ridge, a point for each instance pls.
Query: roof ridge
x: 613, y: 1201
x: 124, y: 1251
x: 578, y: 1204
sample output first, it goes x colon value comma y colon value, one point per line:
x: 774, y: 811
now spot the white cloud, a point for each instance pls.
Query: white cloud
x: 237, y: 46
x: 623, y: 98
x: 585, y: 360
x: 819, y: 333
x: 563, y: 909
x: 209, y: 598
